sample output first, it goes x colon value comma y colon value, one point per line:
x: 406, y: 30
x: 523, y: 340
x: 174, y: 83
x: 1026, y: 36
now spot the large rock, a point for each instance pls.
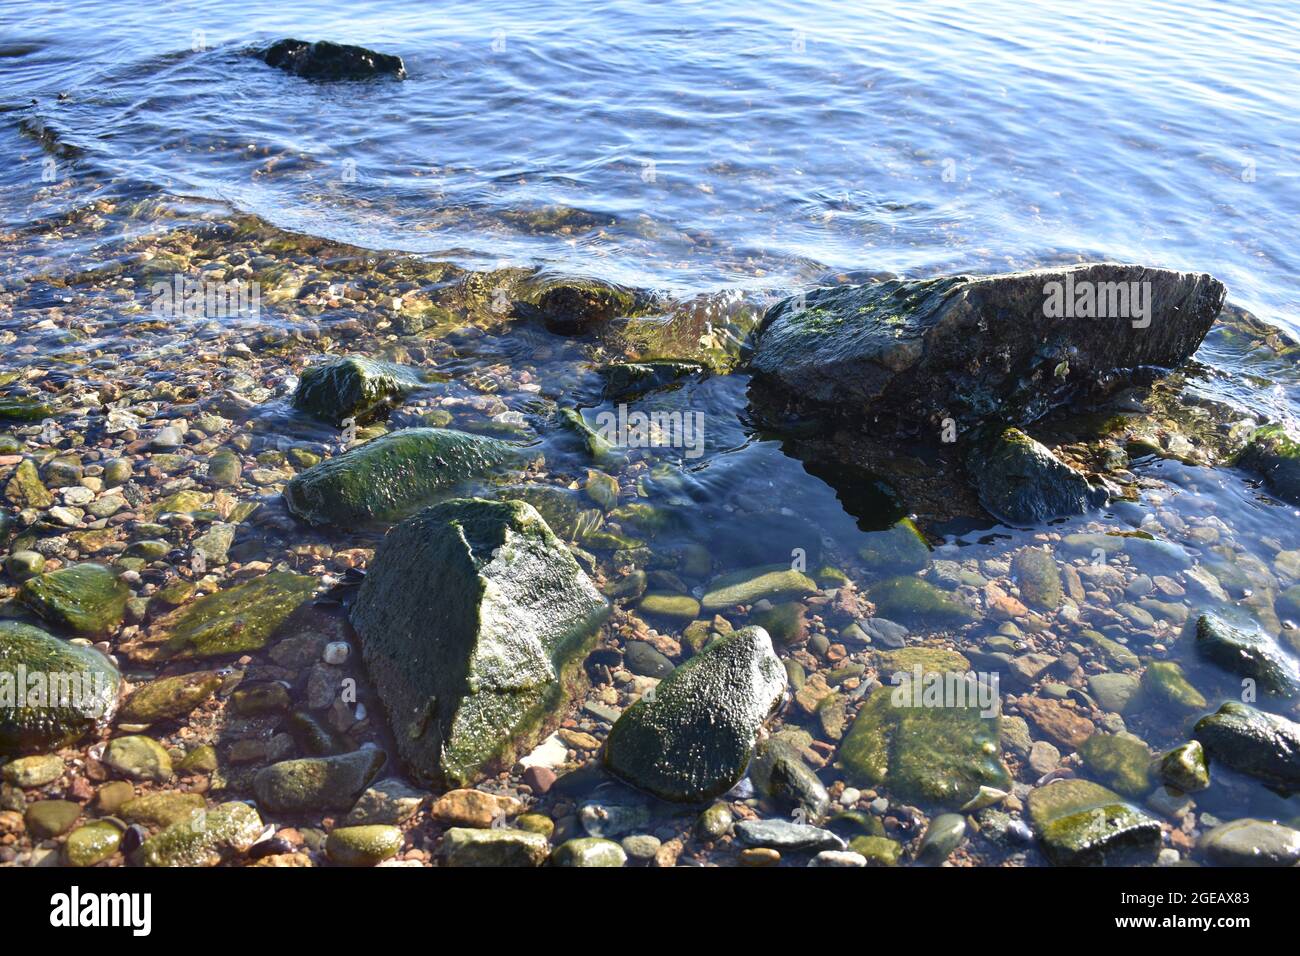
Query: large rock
x: 1021, y: 482
x: 390, y: 477
x: 1265, y: 746
x: 474, y: 620
x: 317, y: 783
x: 206, y: 838
x: 237, y: 620
x: 86, y: 598
x: 324, y: 60
x: 1248, y: 651
x: 352, y: 387
x: 976, y: 348
x: 1080, y: 823
x: 691, y: 739
x: 27, y: 723
x: 1273, y: 453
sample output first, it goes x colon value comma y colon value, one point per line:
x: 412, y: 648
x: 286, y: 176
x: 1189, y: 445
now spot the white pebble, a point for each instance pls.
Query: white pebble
x: 850, y: 796
x: 336, y: 652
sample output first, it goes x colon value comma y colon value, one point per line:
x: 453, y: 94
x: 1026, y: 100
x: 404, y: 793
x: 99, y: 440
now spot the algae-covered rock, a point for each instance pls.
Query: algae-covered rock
x: 1185, y: 768
x: 781, y: 775
x: 24, y: 488
x: 206, y: 838
x: 352, y: 387
x: 588, y: 852
x: 915, y: 602
x: 87, y: 598
x: 138, y: 758
x: 161, y: 808
x: 317, y: 783
x: 1165, y: 683
x: 938, y: 754
x: 923, y: 350
x: 897, y: 550
x: 466, y: 846
x: 169, y: 697
x: 62, y: 713
x: 324, y: 60
x: 1080, y: 823
x: 237, y: 620
x: 1248, y: 651
x: 675, y: 607
x: 624, y: 380
x: 1274, y: 454
x: 390, y: 477
x: 93, y: 843
x: 1039, y: 577
x: 1121, y: 761
x: 691, y: 740
x: 363, y: 845
x: 35, y: 771
x: 51, y: 818
x: 474, y: 621
x: 1021, y: 482
x: 775, y: 582
x: 1263, y: 745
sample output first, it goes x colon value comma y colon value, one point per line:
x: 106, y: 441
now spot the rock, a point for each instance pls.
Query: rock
x: 1274, y: 454
x: 225, y: 468
x: 29, y: 772
x: 1039, y: 577
x: 390, y: 477
x: 1082, y: 824
x: 389, y: 801
x: 1043, y: 757
x: 1113, y: 691
x: 214, y: 544
x: 1263, y: 745
x: 464, y: 846
x: 574, y: 306
x: 472, y: 808
x: 775, y: 582
x: 877, y: 850
x: 588, y: 851
x: 838, y: 858
x: 496, y: 616
x: 781, y: 775
x: 786, y: 623
x: 642, y: 659
x: 900, y: 549
x: 1021, y: 482
x: 641, y: 846
x: 26, y: 651
x: 1185, y: 768
x: 202, y: 759
x: 204, y: 839
x: 85, y: 598
x: 169, y: 697
x: 22, y: 565
x: 1165, y: 683
x: 944, y: 835
x: 324, y: 60
x: 715, y: 822
x: 112, y: 796
x: 317, y: 783
x: 51, y: 818
x: 24, y: 488
x: 161, y: 808
x: 935, y: 754
x: 90, y: 844
x: 681, y: 608
x: 363, y: 845
x: 237, y: 620
x: 1120, y: 761
x: 918, y: 603
x: 352, y: 387
x: 787, y: 837
x: 973, y: 348
x: 625, y: 380
x: 692, y: 739
x: 1063, y: 725
x: 138, y: 758
x: 1248, y: 651
x: 1250, y: 842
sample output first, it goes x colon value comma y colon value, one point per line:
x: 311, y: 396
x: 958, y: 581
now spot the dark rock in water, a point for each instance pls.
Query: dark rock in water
x: 1262, y: 745
x: 780, y: 774
x: 1004, y: 347
x: 27, y: 650
x: 1083, y: 824
x: 474, y: 621
x: 787, y: 836
x: 576, y: 306
x: 317, y: 783
x: 691, y: 739
x: 1185, y: 768
x: 625, y: 380
x: 1274, y: 455
x: 352, y: 388
x: 86, y: 598
x: 237, y: 620
x: 390, y: 477
x: 1250, y: 842
x: 1248, y: 651
x: 919, y: 603
x: 324, y: 60
x: 1023, y: 483
x: 896, y: 550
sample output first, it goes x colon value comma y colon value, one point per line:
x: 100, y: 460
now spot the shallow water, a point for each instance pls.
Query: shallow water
x: 713, y: 155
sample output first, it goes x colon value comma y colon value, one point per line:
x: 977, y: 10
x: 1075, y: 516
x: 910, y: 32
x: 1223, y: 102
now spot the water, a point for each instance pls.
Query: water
x: 712, y: 156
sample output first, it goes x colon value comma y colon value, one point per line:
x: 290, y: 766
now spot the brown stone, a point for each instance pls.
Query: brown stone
x: 1056, y: 721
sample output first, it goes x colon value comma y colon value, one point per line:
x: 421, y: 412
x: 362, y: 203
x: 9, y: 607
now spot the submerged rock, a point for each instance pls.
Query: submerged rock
x: 27, y: 650
x: 93, y: 843
x: 1263, y: 745
x: 237, y: 620
x: 1185, y: 768
x: 976, y: 348
x: 206, y: 838
x: 1080, y: 823
x: 388, y: 478
x: 897, y: 550
x: 915, y: 602
x: 1121, y: 761
x: 1274, y: 454
x: 787, y: 836
x: 324, y: 60
x: 317, y: 783
x: 781, y: 775
x: 86, y: 598
x: 774, y: 582
x: 363, y: 845
x: 575, y: 306
x: 691, y: 739
x: 474, y: 620
x: 1021, y: 482
x: 352, y: 387
x: 1250, y: 842
x: 169, y: 697
x: 1248, y: 651
x: 624, y: 380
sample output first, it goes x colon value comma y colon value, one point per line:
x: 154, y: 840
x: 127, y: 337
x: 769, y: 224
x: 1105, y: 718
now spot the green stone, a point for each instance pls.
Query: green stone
x: 90, y: 844
x: 1121, y: 761
x: 34, y: 728
x: 225, y: 468
x: 602, y: 489
x: 501, y: 615
x: 786, y: 623
x: 1114, y: 653
x: 1263, y: 745
x: 775, y: 582
x: 138, y: 758
x: 202, y: 759
x: 588, y: 852
x: 944, y: 835
x: 22, y: 565
x: 715, y: 822
x: 162, y: 808
x: 252, y: 700
x: 1249, y: 842
x: 51, y: 818
x: 1274, y: 455
x: 34, y: 771
x: 363, y: 845
x: 914, y: 602
x: 536, y: 823
x: 21, y: 409
x: 85, y: 598
x: 1114, y: 692
x: 465, y: 846
x: 879, y: 850
x: 205, y: 839
x: 1039, y: 577
x: 1165, y: 683
x: 24, y: 489
x: 317, y: 783
x: 352, y: 387
x: 392, y: 476
x: 624, y: 380
x: 112, y: 796
x: 677, y: 607
x: 900, y: 549
x: 1080, y: 823
x: 1185, y: 768
x: 237, y: 620
x: 117, y: 471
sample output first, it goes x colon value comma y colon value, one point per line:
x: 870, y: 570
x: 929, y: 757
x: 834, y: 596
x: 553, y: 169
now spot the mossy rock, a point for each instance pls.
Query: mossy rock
x: 237, y: 620
x: 588, y: 852
x: 624, y: 380
x: 931, y: 660
x: 352, y: 387
x: 161, y: 808
x: 1039, y: 577
x: 1185, y: 768
x: 1080, y: 823
x: 137, y: 757
x: 898, y: 550
x: 169, y: 697
x: 392, y: 476
x: 86, y: 598
x: 24, y: 488
x: 312, y: 784
x: 675, y: 607
x: 465, y: 846
x: 363, y: 845
x: 34, y: 728
x: 878, y: 850
x: 914, y: 602
x: 1274, y: 455
x: 1021, y: 482
x: 1262, y: 745
x: 90, y: 844
x: 786, y: 623
x: 774, y: 582
x: 1165, y: 683
x: 51, y: 818
x: 1246, y: 650
x: 207, y: 838
x: 1121, y: 761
